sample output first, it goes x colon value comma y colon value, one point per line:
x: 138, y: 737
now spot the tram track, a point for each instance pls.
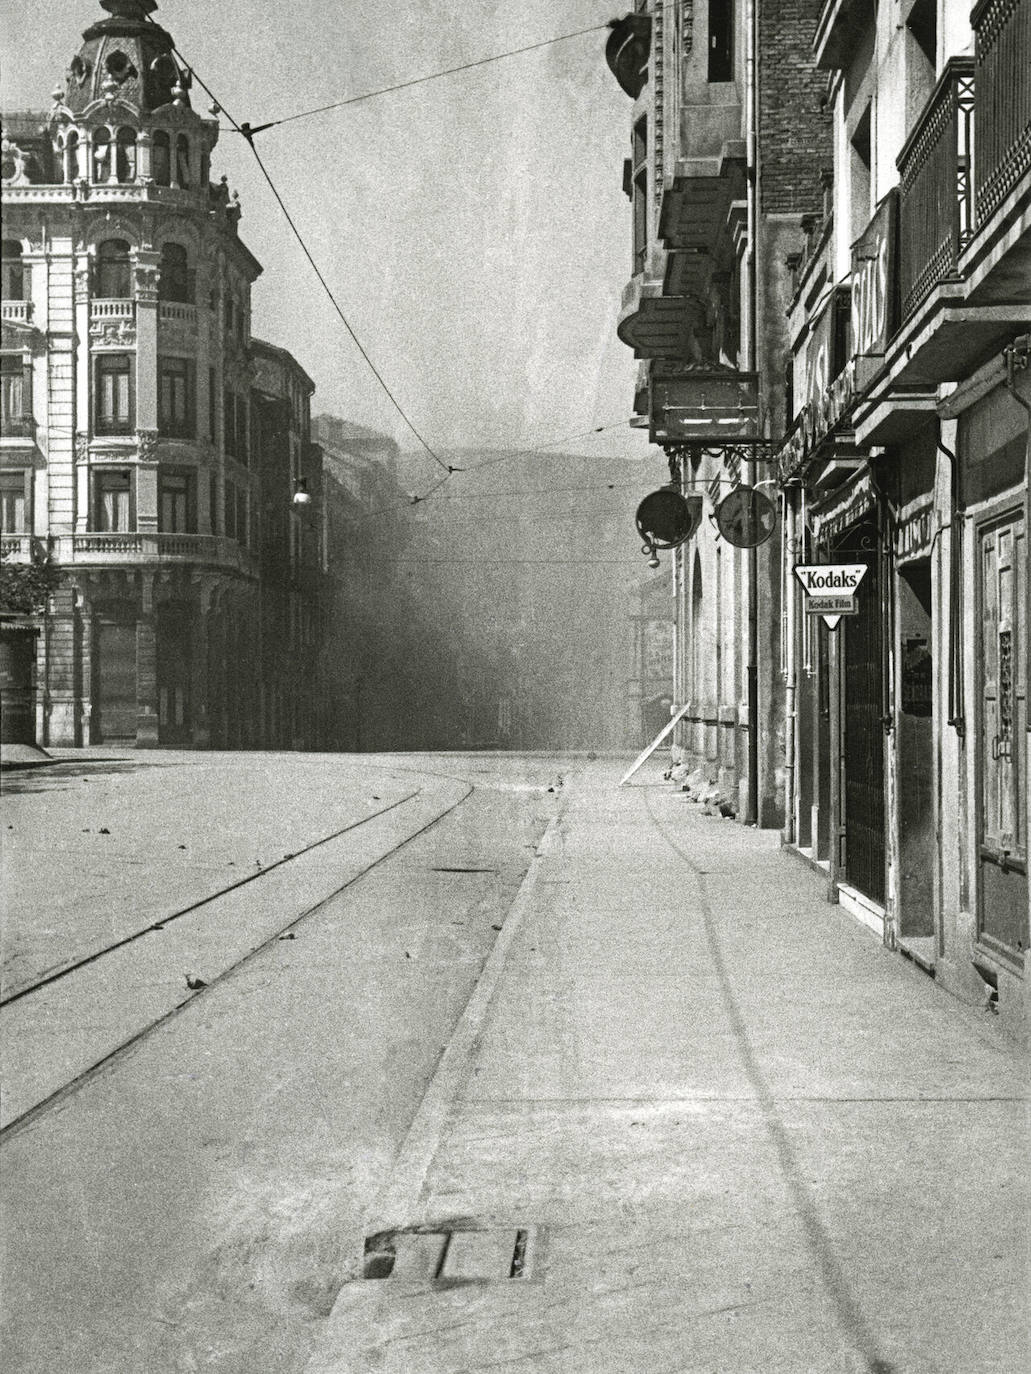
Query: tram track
x: 29, y: 995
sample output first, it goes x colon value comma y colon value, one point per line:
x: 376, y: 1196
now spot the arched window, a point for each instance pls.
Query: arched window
x: 114, y: 278
x: 182, y: 160
x: 101, y: 156
x: 71, y: 156
x: 125, y: 156
x: 13, y: 284
x: 175, y: 283
x: 161, y: 159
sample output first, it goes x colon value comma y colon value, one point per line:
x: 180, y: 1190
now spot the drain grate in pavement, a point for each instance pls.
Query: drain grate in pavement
x: 455, y: 1255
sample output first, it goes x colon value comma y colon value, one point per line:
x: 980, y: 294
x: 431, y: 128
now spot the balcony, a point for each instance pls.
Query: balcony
x: 628, y: 50
x: 178, y: 313
x: 105, y: 549
x: 936, y: 206
x: 1002, y: 101
x: 655, y: 325
x: 16, y: 547
x: 113, y: 308
x: 16, y: 312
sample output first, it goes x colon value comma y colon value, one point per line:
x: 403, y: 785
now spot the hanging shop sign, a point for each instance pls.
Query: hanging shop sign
x: 703, y: 404
x: 666, y: 519
x: 746, y: 518
x: 830, y: 589
x: 875, y: 287
x: 914, y: 533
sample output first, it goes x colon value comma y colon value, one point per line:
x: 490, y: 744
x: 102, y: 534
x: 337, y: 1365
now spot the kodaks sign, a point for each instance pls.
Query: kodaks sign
x: 830, y: 589
x: 838, y: 369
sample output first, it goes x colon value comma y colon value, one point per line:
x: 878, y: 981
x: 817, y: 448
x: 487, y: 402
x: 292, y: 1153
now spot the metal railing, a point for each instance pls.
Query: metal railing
x: 936, y: 206
x: 1002, y: 99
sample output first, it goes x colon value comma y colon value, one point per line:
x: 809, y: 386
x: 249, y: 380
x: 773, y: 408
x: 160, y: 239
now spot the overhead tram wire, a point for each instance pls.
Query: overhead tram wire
x: 316, y: 269
x: 249, y: 131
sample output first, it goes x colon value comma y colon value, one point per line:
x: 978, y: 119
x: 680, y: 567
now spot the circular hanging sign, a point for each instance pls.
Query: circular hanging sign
x: 666, y: 519
x: 746, y: 518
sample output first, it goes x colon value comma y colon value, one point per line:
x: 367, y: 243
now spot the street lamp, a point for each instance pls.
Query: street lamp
x: 301, y: 496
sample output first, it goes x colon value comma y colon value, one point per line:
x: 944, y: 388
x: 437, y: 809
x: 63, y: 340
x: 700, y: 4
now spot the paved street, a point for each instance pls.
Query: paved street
x: 580, y: 1034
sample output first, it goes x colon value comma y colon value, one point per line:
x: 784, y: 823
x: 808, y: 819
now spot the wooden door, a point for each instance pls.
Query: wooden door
x: 114, y: 677
x: 1002, y: 895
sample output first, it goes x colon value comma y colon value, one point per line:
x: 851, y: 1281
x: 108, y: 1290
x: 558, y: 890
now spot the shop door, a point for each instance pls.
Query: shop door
x: 114, y: 682
x: 863, y: 744
x: 1002, y: 890
x: 174, y: 670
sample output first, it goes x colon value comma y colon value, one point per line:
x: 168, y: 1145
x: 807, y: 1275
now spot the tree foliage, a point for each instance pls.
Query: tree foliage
x: 24, y: 587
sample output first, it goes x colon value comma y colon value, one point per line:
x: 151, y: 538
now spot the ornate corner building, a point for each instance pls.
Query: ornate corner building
x: 131, y: 451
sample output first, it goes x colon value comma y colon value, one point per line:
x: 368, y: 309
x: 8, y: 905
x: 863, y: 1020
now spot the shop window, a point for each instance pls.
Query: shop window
x: 125, y: 155
x: 71, y: 157
x: 112, y: 501
x: 161, y: 159
x: 101, y: 156
x: 113, y: 397
x: 14, y: 508
x: 182, y: 160
x: 176, y: 398
x: 113, y: 270
x: 176, y: 281
x: 15, y: 393
x: 177, y: 503
x: 721, y: 40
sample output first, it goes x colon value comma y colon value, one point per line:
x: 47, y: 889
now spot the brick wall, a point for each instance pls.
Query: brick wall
x: 794, y: 136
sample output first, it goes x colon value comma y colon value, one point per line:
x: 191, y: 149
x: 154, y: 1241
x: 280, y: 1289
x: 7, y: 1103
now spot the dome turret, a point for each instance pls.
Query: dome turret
x: 126, y: 57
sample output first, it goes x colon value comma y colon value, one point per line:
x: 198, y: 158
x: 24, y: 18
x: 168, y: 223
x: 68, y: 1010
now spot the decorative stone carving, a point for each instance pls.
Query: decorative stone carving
x: 147, y: 282
x: 147, y: 441
x: 82, y: 279
x: 112, y: 333
x: 81, y: 447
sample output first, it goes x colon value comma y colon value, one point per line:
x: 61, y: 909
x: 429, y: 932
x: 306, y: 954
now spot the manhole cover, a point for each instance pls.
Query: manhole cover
x: 456, y: 1255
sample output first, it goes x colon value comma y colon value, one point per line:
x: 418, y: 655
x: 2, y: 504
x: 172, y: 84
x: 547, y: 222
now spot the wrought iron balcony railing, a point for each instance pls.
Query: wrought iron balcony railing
x: 1002, y: 100
x: 936, y: 207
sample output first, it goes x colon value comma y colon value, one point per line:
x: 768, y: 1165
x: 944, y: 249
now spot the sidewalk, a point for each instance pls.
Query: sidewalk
x: 719, y: 1128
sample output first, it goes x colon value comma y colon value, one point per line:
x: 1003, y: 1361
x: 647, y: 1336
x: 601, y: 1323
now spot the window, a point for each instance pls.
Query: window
x: 639, y: 194
x: 71, y: 157
x: 213, y: 502
x: 101, y: 155
x: 13, y: 506
x: 114, y: 271
x: 229, y: 313
x: 229, y: 509
x: 112, y: 507
x: 175, y: 397
x: 229, y: 422
x: 176, y: 281
x: 242, y: 447
x: 161, y: 159
x: 177, y: 506
x: 13, y: 284
x: 721, y: 40
x: 205, y: 169
x: 182, y: 160
x: 241, y: 515
x: 114, y: 393
x: 125, y: 155
x: 859, y: 167
x: 14, y: 393
x: 212, y: 407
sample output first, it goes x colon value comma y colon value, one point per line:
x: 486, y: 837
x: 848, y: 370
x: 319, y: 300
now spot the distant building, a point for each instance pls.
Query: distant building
x: 129, y: 446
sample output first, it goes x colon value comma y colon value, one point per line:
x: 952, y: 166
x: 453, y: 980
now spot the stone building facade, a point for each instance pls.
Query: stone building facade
x: 728, y: 141
x: 129, y: 428
x: 907, y: 455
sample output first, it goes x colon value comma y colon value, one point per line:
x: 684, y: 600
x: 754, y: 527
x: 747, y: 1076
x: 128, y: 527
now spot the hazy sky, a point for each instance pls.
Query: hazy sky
x: 474, y: 229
